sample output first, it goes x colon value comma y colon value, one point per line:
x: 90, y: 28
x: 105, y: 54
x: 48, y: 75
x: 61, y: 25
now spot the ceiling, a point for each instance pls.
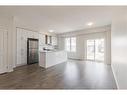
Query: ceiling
x: 61, y: 19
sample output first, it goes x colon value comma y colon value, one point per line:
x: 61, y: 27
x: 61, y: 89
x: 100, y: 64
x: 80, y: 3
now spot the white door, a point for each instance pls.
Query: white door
x: 3, y: 51
x: 95, y: 49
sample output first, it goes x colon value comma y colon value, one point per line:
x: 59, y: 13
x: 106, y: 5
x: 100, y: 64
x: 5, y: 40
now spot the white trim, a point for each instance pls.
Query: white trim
x: 17, y: 65
x: 115, y: 78
x: 10, y: 70
x: 86, y: 31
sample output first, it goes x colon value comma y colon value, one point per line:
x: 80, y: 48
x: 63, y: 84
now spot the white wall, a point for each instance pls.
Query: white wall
x: 119, y: 48
x: 81, y: 42
x: 7, y: 22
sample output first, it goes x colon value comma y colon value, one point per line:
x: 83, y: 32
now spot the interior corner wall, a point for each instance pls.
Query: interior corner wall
x: 119, y: 48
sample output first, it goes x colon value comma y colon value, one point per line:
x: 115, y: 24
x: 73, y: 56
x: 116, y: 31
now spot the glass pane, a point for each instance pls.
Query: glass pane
x: 73, y: 41
x: 90, y: 49
x: 73, y: 44
x: 99, y: 49
x: 67, y: 41
x: 73, y: 48
x: 67, y: 48
x: 67, y: 44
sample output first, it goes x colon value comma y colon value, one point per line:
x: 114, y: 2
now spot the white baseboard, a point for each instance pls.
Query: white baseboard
x: 76, y: 59
x: 115, y: 77
x: 17, y: 65
x: 10, y: 70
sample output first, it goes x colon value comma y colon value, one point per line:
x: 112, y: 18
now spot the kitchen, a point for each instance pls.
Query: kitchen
x: 48, y: 52
x: 41, y: 39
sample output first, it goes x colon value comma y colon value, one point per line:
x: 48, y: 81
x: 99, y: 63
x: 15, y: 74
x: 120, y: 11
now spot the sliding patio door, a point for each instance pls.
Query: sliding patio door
x: 90, y: 49
x: 95, y: 49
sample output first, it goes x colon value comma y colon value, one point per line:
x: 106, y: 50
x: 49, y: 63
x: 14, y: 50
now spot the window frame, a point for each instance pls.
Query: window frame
x: 70, y: 44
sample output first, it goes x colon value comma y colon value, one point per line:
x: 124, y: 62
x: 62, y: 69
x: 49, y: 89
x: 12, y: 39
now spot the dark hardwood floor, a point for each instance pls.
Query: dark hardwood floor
x: 69, y: 75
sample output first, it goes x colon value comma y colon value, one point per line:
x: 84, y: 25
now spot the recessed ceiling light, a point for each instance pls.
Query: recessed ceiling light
x: 51, y: 31
x: 90, y: 24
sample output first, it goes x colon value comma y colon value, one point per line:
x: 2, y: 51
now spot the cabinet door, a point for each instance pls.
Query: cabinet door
x: 54, y: 40
x: 41, y: 39
x: 30, y: 34
x: 48, y: 40
x: 36, y: 35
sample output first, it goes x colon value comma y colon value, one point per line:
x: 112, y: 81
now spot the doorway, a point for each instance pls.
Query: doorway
x: 95, y: 49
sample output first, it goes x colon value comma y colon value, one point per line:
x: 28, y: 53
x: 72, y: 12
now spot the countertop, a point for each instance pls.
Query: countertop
x: 50, y: 51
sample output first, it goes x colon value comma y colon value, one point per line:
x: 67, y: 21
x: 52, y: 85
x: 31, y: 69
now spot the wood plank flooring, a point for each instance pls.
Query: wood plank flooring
x: 69, y: 75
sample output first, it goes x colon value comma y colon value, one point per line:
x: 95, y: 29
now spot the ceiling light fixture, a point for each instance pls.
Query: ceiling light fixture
x: 51, y: 31
x: 90, y: 24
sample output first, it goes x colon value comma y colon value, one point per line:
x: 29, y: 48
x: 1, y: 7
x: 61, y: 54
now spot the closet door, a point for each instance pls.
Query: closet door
x: 3, y: 51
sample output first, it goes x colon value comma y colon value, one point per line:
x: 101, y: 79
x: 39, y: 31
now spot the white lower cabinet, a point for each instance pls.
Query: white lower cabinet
x: 51, y: 58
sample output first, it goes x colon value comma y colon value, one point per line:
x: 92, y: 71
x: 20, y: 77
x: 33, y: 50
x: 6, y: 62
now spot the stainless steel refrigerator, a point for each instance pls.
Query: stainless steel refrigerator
x: 32, y: 51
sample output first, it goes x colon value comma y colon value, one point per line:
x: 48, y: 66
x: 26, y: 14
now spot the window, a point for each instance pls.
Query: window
x: 70, y: 44
x: 67, y: 44
x: 73, y: 44
x: 95, y: 49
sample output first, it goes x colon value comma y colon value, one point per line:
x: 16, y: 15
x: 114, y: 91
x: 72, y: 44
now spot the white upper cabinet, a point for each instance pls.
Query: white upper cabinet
x: 41, y: 39
x: 54, y: 40
x: 36, y: 35
x: 30, y: 34
x: 48, y: 39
